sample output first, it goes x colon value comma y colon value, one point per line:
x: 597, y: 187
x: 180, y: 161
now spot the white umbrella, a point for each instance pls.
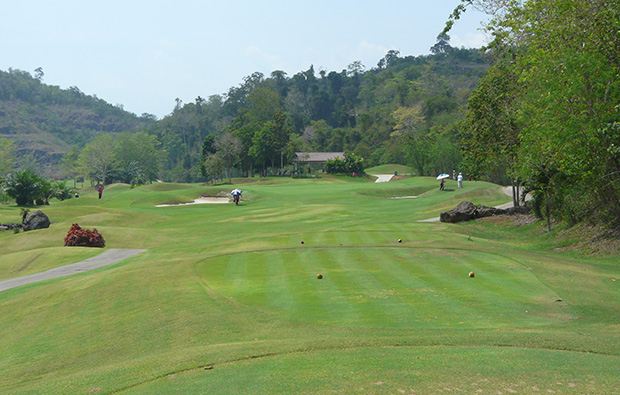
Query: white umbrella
x: 236, y: 192
x: 442, y: 176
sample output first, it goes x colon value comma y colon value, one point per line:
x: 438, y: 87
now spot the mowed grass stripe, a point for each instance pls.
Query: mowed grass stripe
x: 465, y: 291
x: 379, y: 288
x: 357, y: 287
x: 413, y: 268
x: 413, y: 304
x: 332, y: 292
x: 280, y: 275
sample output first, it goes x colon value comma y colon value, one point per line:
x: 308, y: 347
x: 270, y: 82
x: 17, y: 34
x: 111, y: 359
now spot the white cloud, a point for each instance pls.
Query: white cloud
x: 471, y: 40
x: 366, y: 48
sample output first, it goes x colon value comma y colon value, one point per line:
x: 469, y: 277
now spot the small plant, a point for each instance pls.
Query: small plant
x: 78, y: 237
x: 24, y: 213
x: 16, y: 230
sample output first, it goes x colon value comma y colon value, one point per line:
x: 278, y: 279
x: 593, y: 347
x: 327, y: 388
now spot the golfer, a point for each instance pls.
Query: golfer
x: 443, y: 180
x: 236, y: 194
x: 460, y: 180
x: 100, y: 190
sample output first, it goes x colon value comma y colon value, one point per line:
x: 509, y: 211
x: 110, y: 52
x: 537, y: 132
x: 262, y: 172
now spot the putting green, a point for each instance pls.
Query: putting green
x: 388, y: 287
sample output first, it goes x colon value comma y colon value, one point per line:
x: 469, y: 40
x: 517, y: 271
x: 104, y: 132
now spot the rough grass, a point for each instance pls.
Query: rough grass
x: 227, y: 300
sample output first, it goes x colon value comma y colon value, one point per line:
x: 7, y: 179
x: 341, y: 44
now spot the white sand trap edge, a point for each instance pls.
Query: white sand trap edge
x: 200, y: 200
x: 403, y: 197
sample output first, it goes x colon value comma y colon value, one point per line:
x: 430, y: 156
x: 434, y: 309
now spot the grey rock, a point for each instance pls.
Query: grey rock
x: 9, y: 226
x: 463, y: 212
x: 466, y: 211
x: 36, y: 220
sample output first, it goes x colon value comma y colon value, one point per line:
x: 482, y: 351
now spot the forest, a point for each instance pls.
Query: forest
x: 537, y: 107
x: 402, y: 101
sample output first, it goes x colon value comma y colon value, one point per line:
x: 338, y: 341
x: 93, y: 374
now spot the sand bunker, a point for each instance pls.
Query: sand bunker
x: 200, y: 200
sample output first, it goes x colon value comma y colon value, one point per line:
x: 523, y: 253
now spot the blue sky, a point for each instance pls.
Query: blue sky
x: 145, y: 54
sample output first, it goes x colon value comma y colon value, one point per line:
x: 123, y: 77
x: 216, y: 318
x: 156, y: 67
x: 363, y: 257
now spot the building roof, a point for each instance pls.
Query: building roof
x: 317, y: 157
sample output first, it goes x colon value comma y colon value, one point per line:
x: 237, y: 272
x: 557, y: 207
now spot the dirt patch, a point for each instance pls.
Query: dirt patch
x: 517, y: 219
x: 592, y: 240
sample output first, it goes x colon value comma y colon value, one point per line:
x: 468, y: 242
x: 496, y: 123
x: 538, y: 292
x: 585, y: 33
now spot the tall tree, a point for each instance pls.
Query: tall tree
x: 98, y: 158
x: 228, y: 150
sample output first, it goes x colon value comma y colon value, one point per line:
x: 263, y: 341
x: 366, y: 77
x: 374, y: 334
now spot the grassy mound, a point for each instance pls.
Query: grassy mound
x: 389, y: 169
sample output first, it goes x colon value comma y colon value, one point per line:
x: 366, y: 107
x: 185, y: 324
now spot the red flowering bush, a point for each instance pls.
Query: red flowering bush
x: 78, y: 237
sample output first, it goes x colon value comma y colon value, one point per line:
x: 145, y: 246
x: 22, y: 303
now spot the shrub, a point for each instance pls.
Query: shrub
x: 350, y: 164
x: 78, y: 237
x: 23, y: 186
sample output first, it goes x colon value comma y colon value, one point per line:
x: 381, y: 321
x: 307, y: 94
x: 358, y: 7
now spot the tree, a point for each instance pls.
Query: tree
x: 7, y: 156
x: 442, y: 45
x: 137, y: 156
x: 562, y: 57
x: 71, y: 164
x: 213, y: 167
x: 98, y: 158
x: 24, y: 186
x: 409, y: 130
x: 38, y: 74
x: 228, y: 149
x: 391, y: 55
x: 490, y: 131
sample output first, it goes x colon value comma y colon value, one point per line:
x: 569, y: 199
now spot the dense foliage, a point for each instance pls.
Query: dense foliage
x: 78, y: 237
x: 27, y: 188
x: 549, y: 105
x: 350, y: 164
x: 400, y: 111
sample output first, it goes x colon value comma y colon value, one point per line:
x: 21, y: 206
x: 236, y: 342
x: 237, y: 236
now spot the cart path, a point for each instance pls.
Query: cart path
x: 107, y: 258
x: 507, y: 191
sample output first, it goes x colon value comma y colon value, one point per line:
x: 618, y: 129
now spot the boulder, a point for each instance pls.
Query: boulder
x: 36, y: 220
x: 467, y: 210
x: 484, y: 211
x: 463, y: 212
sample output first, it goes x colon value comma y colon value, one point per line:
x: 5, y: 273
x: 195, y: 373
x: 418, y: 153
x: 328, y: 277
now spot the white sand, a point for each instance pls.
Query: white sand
x: 403, y: 197
x: 200, y: 200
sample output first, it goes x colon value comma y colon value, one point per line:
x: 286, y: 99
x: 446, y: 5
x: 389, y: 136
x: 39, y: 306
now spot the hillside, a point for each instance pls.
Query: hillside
x: 46, y: 121
x: 358, y: 110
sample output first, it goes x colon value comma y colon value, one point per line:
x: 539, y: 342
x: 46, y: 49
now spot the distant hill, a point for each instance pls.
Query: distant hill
x: 356, y: 110
x: 47, y: 121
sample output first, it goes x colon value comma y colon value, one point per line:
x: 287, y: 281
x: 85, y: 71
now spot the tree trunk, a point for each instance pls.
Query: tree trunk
x: 515, y: 194
x: 548, y: 209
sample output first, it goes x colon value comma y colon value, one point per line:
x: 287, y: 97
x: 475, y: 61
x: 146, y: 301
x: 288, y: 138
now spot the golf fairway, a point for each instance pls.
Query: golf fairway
x: 227, y: 299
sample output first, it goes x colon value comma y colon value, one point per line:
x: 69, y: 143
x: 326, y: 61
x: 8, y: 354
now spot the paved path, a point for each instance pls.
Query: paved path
x: 107, y: 258
x: 383, y: 177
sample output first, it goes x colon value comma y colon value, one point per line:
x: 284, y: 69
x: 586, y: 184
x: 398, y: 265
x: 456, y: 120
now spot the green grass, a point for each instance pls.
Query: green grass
x: 389, y: 169
x: 227, y: 300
